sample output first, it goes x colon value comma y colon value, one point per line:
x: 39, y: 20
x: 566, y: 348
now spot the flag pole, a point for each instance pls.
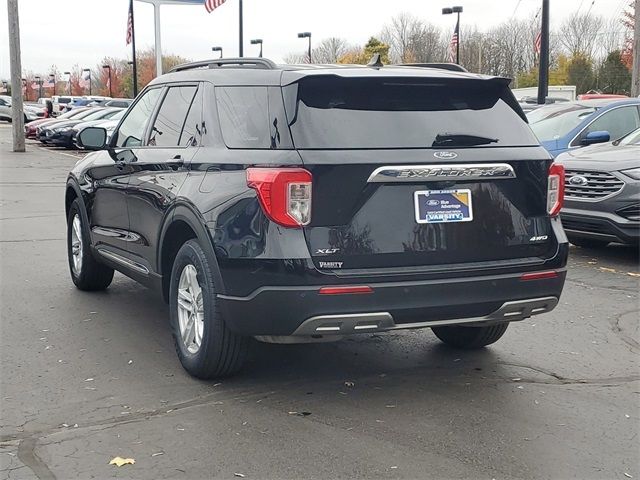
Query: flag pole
x: 241, y: 46
x: 133, y: 49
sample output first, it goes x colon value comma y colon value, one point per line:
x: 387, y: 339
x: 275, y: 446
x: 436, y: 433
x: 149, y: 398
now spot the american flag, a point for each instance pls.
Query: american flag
x: 453, y: 44
x: 51, y: 82
x: 130, y: 23
x: 85, y: 79
x: 537, y: 44
x: 211, y: 5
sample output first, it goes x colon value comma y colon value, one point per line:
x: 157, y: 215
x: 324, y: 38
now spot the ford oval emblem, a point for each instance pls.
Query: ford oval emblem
x: 579, y: 180
x: 445, y: 155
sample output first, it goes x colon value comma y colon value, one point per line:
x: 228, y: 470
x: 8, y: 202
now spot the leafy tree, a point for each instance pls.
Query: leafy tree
x: 614, y: 76
x: 580, y: 73
x: 363, y: 55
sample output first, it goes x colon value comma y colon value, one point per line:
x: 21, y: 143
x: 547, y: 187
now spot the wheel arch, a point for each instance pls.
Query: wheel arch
x: 184, y: 224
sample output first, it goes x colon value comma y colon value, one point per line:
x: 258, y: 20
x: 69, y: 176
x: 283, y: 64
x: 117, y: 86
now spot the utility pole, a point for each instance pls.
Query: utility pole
x: 635, y: 72
x: 17, y: 114
x: 543, y: 78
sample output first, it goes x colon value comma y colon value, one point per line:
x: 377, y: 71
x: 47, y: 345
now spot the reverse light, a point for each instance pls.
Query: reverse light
x: 284, y: 194
x: 539, y: 275
x: 345, y: 290
x: 555, y: 189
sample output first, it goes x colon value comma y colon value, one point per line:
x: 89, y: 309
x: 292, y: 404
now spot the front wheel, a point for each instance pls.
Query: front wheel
x: 470, y: 338
x: 204, y: 344
x: 86, y: 272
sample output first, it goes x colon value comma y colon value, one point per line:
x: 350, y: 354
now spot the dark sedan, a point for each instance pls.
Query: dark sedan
x: 61, y: 134
x: 602, y: 193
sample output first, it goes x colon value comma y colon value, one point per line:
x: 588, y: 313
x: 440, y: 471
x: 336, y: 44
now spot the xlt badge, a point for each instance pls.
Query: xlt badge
x: 327, y: 251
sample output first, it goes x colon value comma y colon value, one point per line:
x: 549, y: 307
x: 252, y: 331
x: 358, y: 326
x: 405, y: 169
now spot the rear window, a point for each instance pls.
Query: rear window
x: 244, y: 116
x: 351, y: 113
x: 553, y: 122
x: 64, y: 100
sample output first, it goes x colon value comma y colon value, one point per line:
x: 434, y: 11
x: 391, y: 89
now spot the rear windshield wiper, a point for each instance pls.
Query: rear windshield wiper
x: 461, y: 140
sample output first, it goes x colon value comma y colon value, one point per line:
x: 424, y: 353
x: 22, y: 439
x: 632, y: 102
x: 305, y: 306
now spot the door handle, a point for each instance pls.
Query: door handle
x: 176, y: 162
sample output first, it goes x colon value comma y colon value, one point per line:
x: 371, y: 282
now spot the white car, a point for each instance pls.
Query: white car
x: 30, y: 112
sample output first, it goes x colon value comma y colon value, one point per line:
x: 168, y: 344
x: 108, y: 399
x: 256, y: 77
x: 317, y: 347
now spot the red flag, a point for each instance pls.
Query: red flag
x: 211, y: 5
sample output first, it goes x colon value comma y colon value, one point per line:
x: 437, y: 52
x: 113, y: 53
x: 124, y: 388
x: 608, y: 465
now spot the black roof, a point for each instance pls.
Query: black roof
x: 261, y: 71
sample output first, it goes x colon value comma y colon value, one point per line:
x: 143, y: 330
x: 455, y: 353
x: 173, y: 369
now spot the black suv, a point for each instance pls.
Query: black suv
x: 294, y: 203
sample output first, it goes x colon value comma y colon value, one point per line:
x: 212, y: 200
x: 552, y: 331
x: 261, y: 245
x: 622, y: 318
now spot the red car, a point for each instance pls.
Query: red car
x: 596, y: 96
x: 30, y: 128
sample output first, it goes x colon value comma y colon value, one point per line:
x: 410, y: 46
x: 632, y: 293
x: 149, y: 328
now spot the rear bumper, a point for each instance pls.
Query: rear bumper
x: 286, y: 311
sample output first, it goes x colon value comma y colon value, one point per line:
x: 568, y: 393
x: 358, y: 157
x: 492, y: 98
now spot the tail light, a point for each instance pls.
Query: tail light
x: 284, y: 194
x: 555, y: 190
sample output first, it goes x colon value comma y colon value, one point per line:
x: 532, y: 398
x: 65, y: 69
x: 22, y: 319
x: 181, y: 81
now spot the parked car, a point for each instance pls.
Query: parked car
x: 602, y: 193
x: 60, y: 102
x: 294, y: 204
x: 84, y: 112
x: 529, y: 104
x: 30, y: 128
x: 60, y: 134
x: 596, y: 96
x: 30, y: 112
x: 119, y: 102
x: 103, y: 122
x: 569, y: 125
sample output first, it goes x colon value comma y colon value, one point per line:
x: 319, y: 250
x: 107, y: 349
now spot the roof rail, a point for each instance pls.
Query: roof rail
x: 249, y: 62
x: 443, y: 66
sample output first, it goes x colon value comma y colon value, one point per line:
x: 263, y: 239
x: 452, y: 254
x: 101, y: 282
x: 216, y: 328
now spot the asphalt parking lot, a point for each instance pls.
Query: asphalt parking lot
x: 87, y: 377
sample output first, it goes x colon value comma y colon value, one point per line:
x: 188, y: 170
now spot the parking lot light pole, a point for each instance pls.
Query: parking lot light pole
x: 217, y: 49
x: 449, y: 11
x: 543, y: 74
x: 52, y: 78
x: 257, y: 41
x: 307, y: 35
x: 108, y: 67
x: 68, y: 74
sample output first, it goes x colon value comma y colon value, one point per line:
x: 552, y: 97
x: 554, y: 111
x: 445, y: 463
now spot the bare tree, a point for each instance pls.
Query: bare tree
x: 296, y: 58
x: 412, y: 40
x: 610, y: 39
x: 330, y: 50
x: 579, y: 34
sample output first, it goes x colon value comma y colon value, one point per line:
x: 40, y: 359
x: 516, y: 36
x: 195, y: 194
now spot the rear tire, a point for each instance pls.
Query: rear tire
x: 588, y: 242
x: 204, y: 344
x: 470, y: 338
x: 87, y: 274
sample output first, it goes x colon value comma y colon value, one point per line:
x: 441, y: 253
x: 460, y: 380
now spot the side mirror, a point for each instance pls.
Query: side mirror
x: 599, y: 136
x: 93, y: 138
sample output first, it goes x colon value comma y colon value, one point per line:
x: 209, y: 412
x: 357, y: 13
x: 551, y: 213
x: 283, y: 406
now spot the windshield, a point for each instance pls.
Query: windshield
x: 350, y: 113
x: 553, y: 122
x: 632, y: 139
x: 95, y: 115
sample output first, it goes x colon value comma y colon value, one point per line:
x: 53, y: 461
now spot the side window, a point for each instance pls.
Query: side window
x: 171, y: 117
x: 244, y: 116
x: 192, y: 130
x: 132, y: 128
x: 618, y: 122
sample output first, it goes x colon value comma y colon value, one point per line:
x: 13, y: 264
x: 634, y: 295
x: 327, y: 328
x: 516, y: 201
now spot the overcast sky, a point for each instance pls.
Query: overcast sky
x: 69, y: 32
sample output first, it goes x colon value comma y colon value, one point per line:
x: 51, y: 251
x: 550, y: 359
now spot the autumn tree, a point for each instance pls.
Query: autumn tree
x: 362, y: 56
x: 580, y: 73
x: 614, y: 76
x: 628, y: 20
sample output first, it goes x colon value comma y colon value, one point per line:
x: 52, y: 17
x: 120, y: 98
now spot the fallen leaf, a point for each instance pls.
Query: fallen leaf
x: 88, y: 380
x: 157, y: 453
x: 130, y: 362
x: 633, y: 274
x: 241, y: 475
x: 119, y: 461
x: 627, y: 475
x: 605, y: 269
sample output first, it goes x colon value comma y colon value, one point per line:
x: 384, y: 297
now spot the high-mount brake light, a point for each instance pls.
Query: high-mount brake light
x: 555, y: 189
x: 284, y: 194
